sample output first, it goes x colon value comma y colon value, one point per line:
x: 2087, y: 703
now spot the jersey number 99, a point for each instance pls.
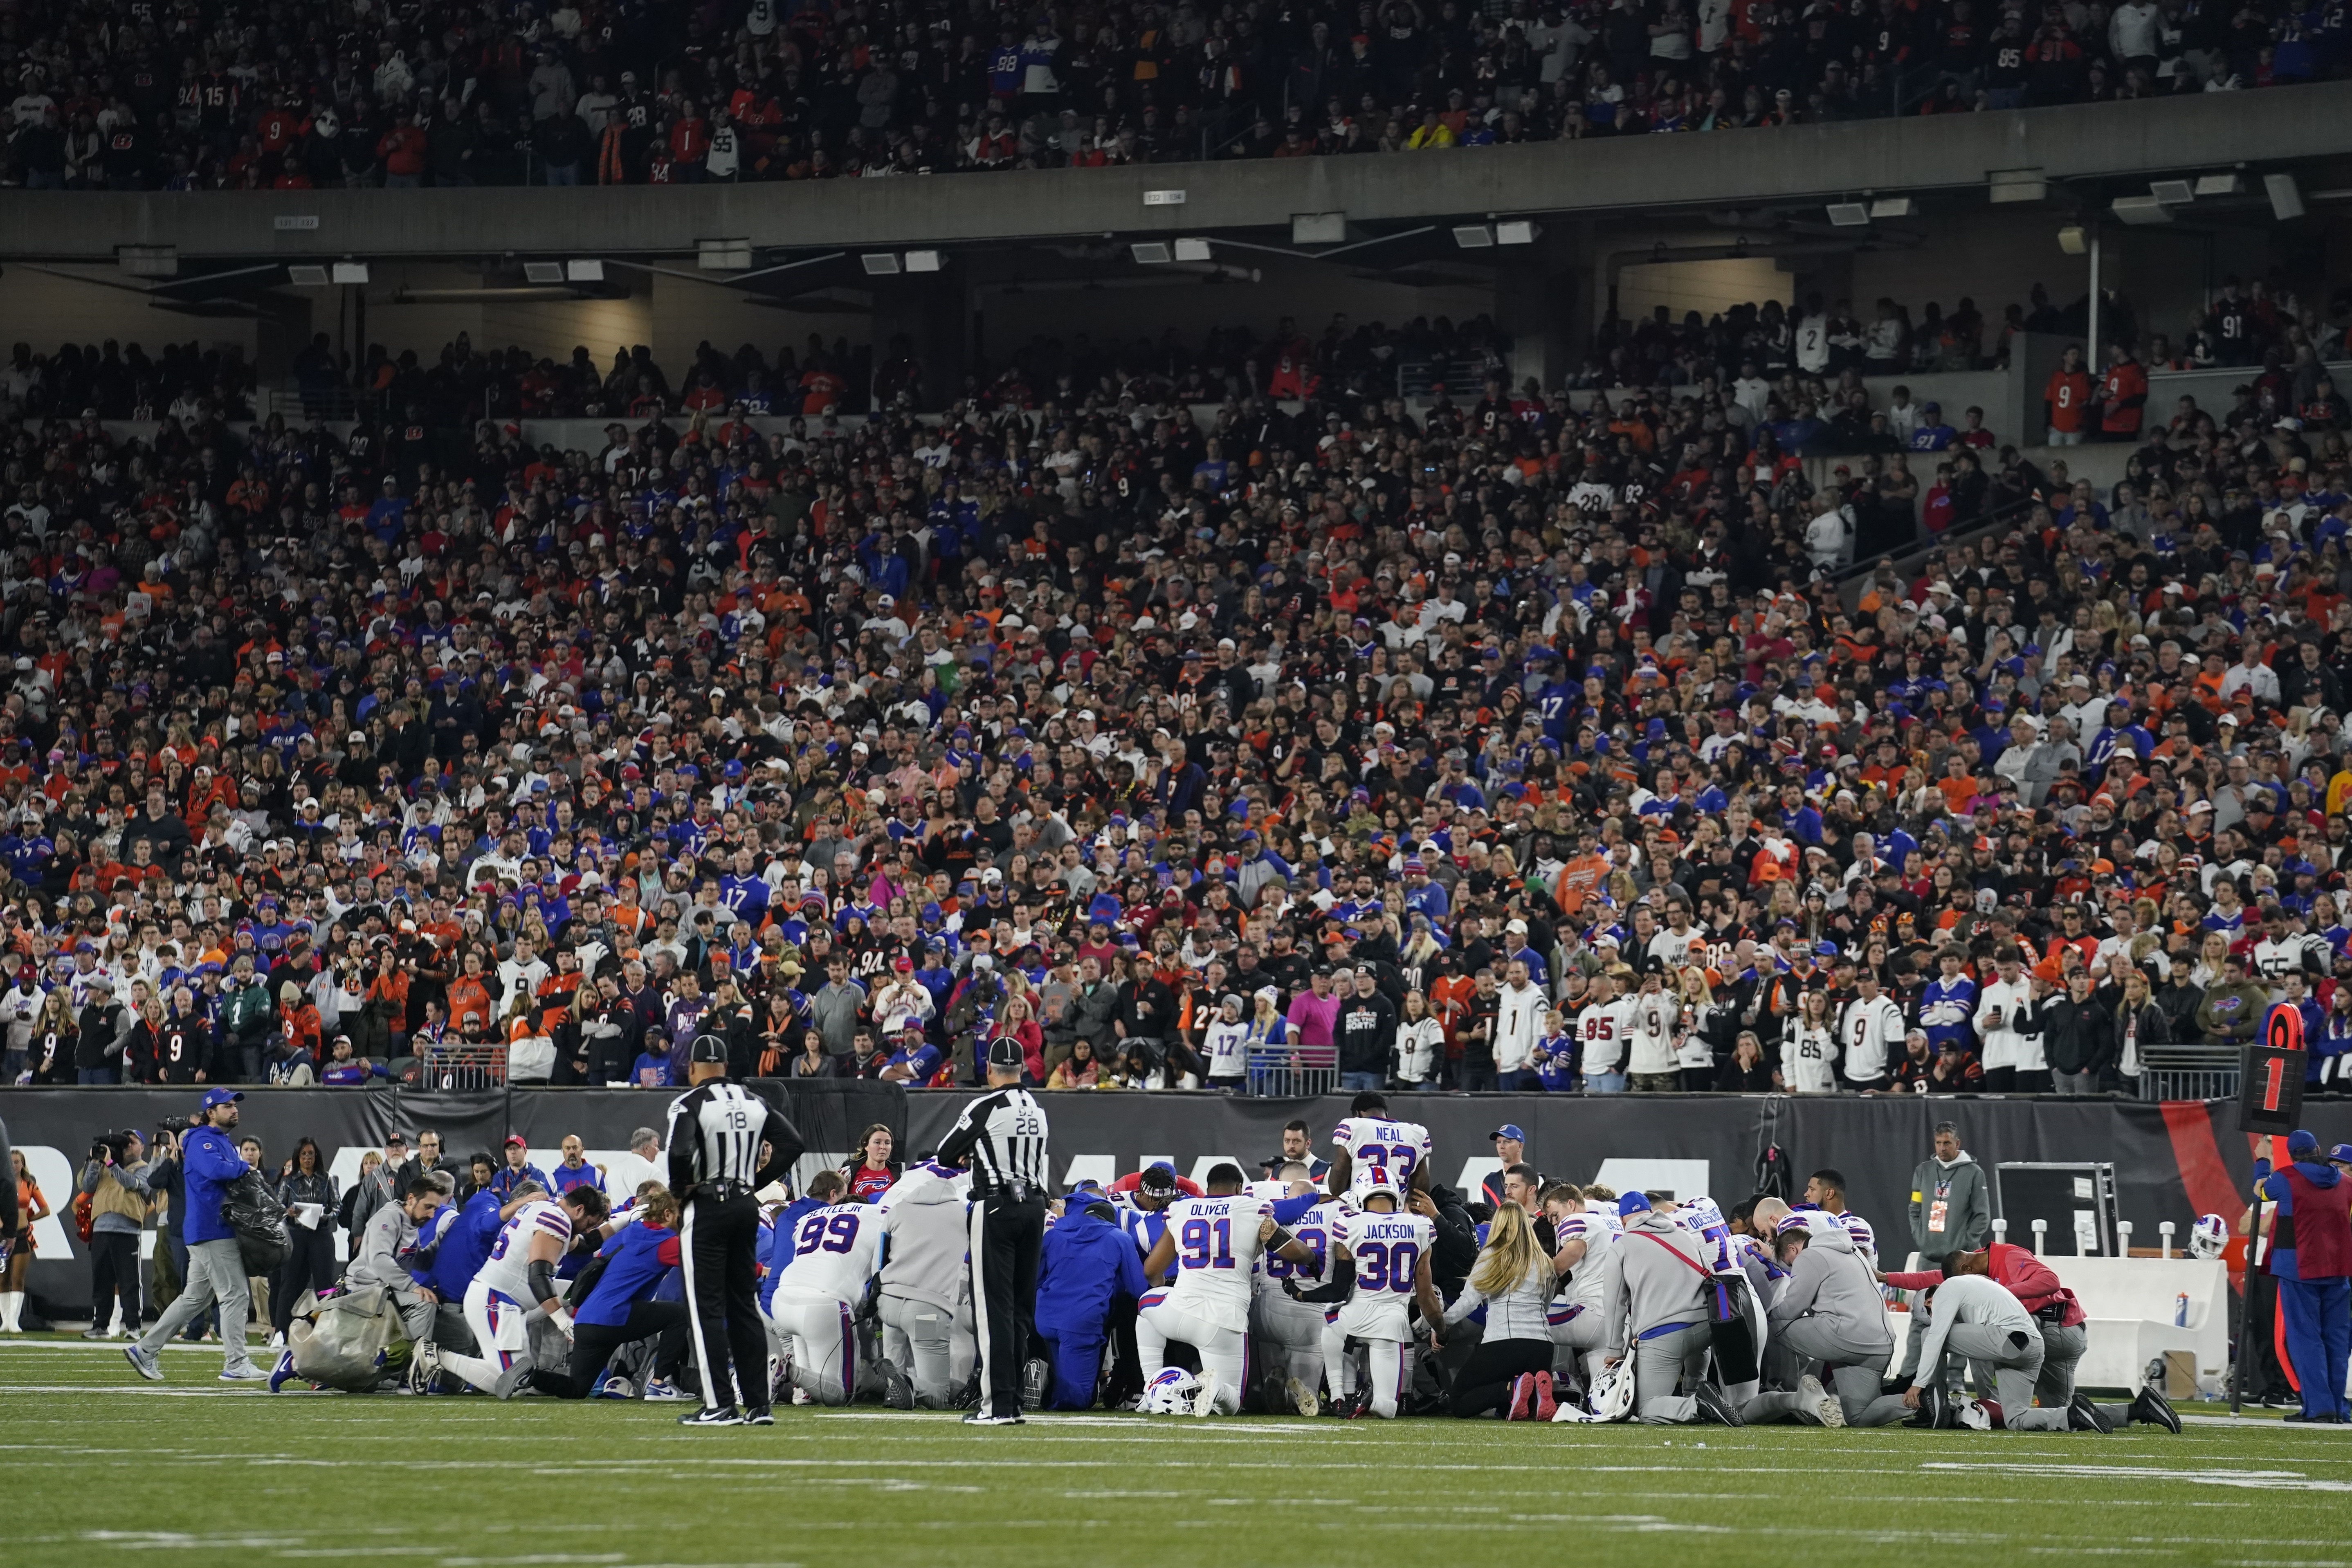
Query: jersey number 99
x: 836, y: 1234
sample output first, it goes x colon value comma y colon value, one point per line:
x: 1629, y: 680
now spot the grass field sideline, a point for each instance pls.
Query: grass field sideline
x: 103, y: 1469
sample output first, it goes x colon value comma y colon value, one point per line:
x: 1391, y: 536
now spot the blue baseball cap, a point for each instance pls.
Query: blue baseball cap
x: 218, y: 1096
x: 2302, y: 1141
x: 1507, y: 1129
x: 1632, y: 1203
x: 2341, y: 1153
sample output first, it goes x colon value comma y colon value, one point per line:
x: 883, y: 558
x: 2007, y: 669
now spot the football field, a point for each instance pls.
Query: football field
x: 101, y: 1469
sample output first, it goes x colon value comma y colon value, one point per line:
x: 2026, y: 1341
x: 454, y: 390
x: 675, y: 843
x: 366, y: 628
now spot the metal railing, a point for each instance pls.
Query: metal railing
x: 2189, y: 1072
x: 458, y: 1066
x: 1282, y: 1071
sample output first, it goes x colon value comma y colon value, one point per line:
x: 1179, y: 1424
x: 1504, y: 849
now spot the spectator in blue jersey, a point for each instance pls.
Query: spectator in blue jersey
x: 1932, y: 434
x: 912, y: 1060
x: 573, y: 1170
x: 1087, y: 1264
x: 519, y: 1169
x: 620, y: 1307
x: 652, y: 1069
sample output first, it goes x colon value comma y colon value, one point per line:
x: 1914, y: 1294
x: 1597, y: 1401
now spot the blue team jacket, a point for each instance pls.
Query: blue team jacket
x: 641, y: 1254
x: 213, y: 1162
x: 465, y: 1246
x: 1083, y: 1263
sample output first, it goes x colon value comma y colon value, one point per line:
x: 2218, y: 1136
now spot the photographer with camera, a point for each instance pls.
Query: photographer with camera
x: 215, y: 1264
x: 115, y: 1178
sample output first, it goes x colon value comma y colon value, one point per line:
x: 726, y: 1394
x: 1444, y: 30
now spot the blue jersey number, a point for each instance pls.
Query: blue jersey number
x: 1207, y: 1244
x: 1386, y: 1266
x: 837, y: 1234
x: 1278, y: 1267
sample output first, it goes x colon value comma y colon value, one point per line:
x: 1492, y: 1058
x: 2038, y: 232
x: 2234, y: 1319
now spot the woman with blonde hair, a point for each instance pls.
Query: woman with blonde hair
x: 1510, y: 1372
x: 1702, y: 1021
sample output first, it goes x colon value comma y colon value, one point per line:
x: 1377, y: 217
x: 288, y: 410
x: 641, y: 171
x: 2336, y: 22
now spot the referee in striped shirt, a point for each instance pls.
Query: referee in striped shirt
x: 725, y: 1143
x: 1002, y: 1136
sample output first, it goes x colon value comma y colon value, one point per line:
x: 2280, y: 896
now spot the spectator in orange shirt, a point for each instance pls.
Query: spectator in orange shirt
x: 2066, y: 399
x: 2123, y: 397
x: 1957, y: 786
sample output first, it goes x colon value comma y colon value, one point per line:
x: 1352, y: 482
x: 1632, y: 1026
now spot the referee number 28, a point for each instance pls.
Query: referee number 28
x: 1027, y: 1125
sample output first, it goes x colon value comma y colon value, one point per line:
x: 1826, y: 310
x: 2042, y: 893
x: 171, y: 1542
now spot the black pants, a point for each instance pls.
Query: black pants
x: 593, y: 1345
x: 1006, y: 1234
x: 113, y: 1270
x: 311, y: 1266
x: 1485, y: 1382
x: 720, y: 1239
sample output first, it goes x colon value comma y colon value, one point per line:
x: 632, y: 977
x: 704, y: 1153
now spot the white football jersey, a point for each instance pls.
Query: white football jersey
x: 1396, y: 1146
x: 1601, y: 1031
x: 1594, y: 1228
x: 1809, y: 1060
x: 833, y: 1252
x: 1387, y: 1248
x: 507, y: 1268
x: 1217, y: 1249
x: 1313, y: 1229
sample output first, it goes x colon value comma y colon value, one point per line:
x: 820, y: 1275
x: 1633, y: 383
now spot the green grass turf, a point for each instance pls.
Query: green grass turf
x: 101, y: 1469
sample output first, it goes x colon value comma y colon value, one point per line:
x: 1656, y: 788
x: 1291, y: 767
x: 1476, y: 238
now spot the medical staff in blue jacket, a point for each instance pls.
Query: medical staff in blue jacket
x: 1087, y: 1261
x: 215, y: 1267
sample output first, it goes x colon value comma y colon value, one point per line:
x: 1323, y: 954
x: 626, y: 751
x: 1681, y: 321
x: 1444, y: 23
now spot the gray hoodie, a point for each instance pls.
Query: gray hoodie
x: 1965, y: 1219
x: 1830, y: 1281
x: 1646, y: 1287
x: 923, y: 1215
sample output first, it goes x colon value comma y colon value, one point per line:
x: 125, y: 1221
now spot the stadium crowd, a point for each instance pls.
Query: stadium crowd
x: 214, y: 96
x: 1522, y: 743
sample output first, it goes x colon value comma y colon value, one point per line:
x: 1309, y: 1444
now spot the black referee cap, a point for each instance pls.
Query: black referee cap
x: 1005, y: 1051
x: 708, y: 1048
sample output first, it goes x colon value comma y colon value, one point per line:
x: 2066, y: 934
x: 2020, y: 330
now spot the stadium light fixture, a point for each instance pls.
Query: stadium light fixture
x: 2287, y: 197
x: 307, y: 277
x: 351, y: 272
x: 1318, y: 229
x: 2172, y: 192
x: 542, y: 272
x: 1192, y: 250
x: 922, y: 261
x: 723, y: 255
x: 1151, y: 253
x: 1893, y: 207
x: 880, y: 263
x: 2007, y: 186
x: 2073, y: 240
x: 590, y: 270
x: 1515, y: 231
x: 1849, y: 215
x: 2140, y: 210
x: 2219, y: 186
x: 1473, y: 236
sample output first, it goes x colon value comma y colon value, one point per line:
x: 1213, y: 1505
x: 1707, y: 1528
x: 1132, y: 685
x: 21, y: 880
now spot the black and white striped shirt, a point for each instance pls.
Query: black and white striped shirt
x: 715, y: 1134
x: 1005, y: 1133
